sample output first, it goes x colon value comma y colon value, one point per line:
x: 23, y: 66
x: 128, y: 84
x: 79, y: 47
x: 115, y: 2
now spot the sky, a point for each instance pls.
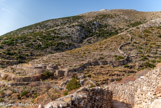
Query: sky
x: 15, y: 14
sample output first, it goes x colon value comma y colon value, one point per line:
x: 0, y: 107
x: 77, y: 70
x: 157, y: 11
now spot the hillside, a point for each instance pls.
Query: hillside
x: 62, y: 34
x: 54, y: 58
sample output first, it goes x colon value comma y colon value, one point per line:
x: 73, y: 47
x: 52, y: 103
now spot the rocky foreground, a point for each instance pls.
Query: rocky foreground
x: 144, y: 92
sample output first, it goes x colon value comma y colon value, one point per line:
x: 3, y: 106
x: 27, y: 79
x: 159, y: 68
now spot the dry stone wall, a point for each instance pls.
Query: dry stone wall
x: 141, y: 93
x: 84, y: 98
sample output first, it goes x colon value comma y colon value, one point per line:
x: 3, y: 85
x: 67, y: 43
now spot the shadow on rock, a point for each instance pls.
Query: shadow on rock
x: 117, y: 104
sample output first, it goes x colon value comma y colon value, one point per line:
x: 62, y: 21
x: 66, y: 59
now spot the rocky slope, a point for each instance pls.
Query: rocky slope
x: 62, y: 34
x: 135, y: 49
x: 144, y: 92
x: 84, y: 51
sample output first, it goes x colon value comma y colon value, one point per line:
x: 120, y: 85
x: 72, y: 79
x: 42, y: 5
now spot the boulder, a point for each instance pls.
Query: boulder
x: 59, y: 73
x: 40, y: 66
x: 156, y: 103
x: 52, y: 66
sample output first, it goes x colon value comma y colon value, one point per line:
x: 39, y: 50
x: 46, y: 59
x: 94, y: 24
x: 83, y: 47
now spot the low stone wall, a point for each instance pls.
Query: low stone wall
x: 97, y: 63
x: 84, y: 98
x: 56, y: 72
x: 11, y: 77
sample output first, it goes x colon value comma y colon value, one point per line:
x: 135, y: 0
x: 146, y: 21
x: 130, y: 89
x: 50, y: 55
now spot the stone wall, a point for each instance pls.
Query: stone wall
x: 141, y: 93
x: 84, y: 98
x: 144, y: 92
x: 36, y: 72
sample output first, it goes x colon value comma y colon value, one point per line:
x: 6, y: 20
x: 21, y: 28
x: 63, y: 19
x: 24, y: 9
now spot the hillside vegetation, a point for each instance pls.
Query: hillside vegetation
x: 50, y: 59
x: 62, y: 34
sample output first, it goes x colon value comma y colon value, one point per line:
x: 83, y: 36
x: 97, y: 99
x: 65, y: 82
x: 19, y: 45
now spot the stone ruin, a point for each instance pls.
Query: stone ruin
x: 144, y: 92
x: 84, y: 98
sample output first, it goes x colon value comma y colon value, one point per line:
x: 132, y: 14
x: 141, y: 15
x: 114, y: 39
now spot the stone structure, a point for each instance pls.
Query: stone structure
x: 59, y: 73
x: 84, y: 98
x: 144, y: 92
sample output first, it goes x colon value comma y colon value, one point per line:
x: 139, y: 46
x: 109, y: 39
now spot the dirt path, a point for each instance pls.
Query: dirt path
x: 124, y: 44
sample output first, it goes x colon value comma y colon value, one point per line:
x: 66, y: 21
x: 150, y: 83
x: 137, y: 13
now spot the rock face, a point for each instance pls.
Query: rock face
x: 156, y: 103
x: 84, y: 98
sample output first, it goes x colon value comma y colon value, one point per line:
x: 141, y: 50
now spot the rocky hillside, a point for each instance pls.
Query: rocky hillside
x: 43, y: 62
x: 133, y: 50
x: 62, y: 34
x: 141, y: 93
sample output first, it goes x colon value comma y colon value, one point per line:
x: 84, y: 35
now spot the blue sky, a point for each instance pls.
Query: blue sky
x: 18, y: 13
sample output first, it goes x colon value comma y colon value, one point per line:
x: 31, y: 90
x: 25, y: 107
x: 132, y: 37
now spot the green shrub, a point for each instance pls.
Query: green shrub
x: 147, y: 31
x: 35, y: 95
x: 92, y: 86
x: 159, y: 36
x: 24, y: 93
x: 105, y: 34
x: 135, y: 23
x: 38, y: 47
x: 148, y: 65
x: 88, y: 75
x: 1, y: 47
x: 66, y: 93
x: 9, y: 42
x: 73, y: 84
x: 153, y: 61
x: 144, y: 58
x: 118, y: 79
x: 105, y: 16
x: 20, y: 57
x: 119, y: 58
x: 140, y: 51
x: 101, y: 58
x: 126, y: 66
x: 47, y: 74
x: 1, y: 100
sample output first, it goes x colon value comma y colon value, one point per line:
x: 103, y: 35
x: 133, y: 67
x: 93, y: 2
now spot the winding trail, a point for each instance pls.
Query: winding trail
x: 124, y: 44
